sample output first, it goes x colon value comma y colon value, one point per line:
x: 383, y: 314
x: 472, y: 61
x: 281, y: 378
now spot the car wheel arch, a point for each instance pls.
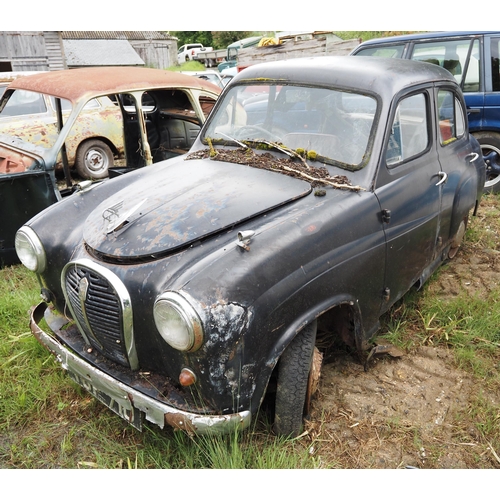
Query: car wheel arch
x: 340, y: 310
x: 297, y: 371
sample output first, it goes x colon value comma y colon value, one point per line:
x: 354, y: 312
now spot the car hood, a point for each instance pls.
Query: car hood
x: 176, y: 204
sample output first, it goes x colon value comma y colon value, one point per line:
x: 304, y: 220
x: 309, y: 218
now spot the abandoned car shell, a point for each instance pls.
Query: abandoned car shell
x: 172, y: 106
x: 318, y: 192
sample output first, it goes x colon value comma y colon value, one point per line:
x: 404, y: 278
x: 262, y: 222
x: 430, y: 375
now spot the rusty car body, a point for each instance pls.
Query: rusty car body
x: 96, y: 137
x: 159, y: 114
x: 318, y: 192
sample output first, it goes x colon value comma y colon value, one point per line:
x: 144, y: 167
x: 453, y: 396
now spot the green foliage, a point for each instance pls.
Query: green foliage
x: 222, y: 39
x: 203, y: 37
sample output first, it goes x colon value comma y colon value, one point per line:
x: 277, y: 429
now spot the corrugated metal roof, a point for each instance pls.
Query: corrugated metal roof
x: 100, y: 53
x: 116, y: 35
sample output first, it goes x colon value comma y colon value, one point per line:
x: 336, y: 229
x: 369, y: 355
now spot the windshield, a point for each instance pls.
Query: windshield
x: 333, y: 125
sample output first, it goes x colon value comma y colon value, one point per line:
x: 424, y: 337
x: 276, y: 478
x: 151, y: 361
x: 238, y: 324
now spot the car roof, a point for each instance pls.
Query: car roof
x: 423, y: 36
x: 9, y: 76
x: 384, y: 76
x: 80, y: 83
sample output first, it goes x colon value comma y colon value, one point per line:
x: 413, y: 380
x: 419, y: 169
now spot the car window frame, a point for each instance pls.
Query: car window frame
x: 457, y: 103
x: 427, y: 92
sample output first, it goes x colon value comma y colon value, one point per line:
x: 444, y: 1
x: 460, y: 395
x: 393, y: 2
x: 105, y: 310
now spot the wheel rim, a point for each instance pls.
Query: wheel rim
x: 96, y: 161
x: 491, y: 155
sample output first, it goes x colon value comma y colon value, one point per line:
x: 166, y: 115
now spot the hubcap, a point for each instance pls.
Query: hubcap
x: 95, y: 160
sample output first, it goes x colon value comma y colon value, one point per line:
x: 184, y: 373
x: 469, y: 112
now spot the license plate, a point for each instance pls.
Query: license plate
x: 130, y: 414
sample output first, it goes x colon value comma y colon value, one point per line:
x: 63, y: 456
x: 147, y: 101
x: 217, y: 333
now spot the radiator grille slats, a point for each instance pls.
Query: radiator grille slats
x: 98, y: 311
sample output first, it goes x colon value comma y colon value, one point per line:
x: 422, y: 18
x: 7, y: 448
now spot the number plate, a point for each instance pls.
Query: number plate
x: 130, y: 414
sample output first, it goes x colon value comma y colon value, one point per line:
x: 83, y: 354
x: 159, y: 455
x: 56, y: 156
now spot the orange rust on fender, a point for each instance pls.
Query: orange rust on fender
x: 76, y: 84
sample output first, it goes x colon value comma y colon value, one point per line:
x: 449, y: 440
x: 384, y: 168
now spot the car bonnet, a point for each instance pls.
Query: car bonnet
x: 172, y: 206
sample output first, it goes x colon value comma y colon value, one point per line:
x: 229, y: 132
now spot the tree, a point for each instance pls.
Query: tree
x: 203, y: 37
x: 221, y: 39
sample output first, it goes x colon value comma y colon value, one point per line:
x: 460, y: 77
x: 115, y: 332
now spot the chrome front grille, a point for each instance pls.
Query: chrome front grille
x: 100, y: 305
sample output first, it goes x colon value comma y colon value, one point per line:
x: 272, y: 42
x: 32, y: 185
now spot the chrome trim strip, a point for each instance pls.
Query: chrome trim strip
x: 155, y: 411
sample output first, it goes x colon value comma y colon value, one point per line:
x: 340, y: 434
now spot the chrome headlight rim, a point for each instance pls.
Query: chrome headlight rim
x: 180, y: 305
x: 26, y: 239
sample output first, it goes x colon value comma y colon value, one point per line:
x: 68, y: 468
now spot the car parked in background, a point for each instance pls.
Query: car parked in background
x: 209, y: 75
x: 95, y: 139
x: 157, y: 114
x: 189, y: 52
x: 318, y: 192
x: 472, y: 57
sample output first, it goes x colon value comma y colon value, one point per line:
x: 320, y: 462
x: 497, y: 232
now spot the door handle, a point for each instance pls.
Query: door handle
x: 444, y: 178
x: 473, y: 110
x: 473, y: 157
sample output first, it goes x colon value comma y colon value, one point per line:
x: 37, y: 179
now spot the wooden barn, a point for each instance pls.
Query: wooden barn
x: 51, y: 50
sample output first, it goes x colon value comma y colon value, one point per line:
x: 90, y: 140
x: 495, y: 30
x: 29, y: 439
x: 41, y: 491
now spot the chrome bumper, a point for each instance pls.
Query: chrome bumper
x: 124, y: 400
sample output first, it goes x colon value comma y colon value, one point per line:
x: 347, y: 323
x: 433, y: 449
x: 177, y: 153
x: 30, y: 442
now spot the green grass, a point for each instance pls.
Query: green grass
x: 46, y: 421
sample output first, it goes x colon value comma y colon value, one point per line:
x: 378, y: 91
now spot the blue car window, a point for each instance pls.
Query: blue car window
x: 450, y: 55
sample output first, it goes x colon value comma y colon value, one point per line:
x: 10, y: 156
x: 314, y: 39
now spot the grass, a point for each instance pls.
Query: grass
x: 46, y: 421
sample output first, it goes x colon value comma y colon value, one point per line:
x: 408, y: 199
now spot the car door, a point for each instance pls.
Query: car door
x: 455, y: 159
x: 407, y: 192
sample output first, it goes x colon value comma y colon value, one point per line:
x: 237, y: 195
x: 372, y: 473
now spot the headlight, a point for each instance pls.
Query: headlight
x: 30, y: 250
x: 177, y: 321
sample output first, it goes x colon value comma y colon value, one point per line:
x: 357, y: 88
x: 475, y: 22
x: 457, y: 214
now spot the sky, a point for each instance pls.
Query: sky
x: 254, y: 15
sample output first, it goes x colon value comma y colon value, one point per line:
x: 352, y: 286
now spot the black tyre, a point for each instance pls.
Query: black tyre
x: 293, y: 377
x: 93, y: 159
x: 490, y: 147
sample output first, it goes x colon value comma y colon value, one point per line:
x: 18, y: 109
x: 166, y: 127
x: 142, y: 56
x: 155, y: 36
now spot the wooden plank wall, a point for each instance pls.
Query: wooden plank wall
x: 292, y: 49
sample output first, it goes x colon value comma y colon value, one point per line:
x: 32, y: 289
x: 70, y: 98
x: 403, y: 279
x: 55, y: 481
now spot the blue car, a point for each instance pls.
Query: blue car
x: 473, y: 59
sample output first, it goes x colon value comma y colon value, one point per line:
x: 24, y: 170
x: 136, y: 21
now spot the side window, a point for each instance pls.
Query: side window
x: 452, y: 55
x: 472, y: 78
x: 206, y: 103
x: 450, y: 117
x: 394, y: 51
x: 24, y: 102
x: 409, y: 133
x: 495, y: 65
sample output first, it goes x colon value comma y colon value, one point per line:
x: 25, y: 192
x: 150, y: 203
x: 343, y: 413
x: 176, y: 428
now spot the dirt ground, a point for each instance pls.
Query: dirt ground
x: 408, y: 412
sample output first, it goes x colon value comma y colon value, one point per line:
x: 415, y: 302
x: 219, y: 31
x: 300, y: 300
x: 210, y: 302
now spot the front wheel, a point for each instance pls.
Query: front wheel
x: 490, y: 147
x: 93, y: 159
x: 293, y: 381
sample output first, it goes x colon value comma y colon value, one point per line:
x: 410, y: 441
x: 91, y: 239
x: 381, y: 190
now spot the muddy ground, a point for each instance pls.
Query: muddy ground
x: 411, y: 411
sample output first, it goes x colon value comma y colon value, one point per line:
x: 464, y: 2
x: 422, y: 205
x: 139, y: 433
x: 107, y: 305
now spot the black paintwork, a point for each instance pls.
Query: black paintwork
x: 343, y: 257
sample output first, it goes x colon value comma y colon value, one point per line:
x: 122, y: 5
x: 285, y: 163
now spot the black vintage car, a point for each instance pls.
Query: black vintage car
x: 318, y: 192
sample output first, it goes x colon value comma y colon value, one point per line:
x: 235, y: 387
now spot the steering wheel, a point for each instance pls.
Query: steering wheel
x: 253, y: 132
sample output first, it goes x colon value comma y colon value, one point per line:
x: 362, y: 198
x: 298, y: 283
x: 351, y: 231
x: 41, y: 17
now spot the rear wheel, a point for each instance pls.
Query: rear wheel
x: 490, y: 147
x: 93, y: 159
x: 456, y: 242
x: 293, y: 382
